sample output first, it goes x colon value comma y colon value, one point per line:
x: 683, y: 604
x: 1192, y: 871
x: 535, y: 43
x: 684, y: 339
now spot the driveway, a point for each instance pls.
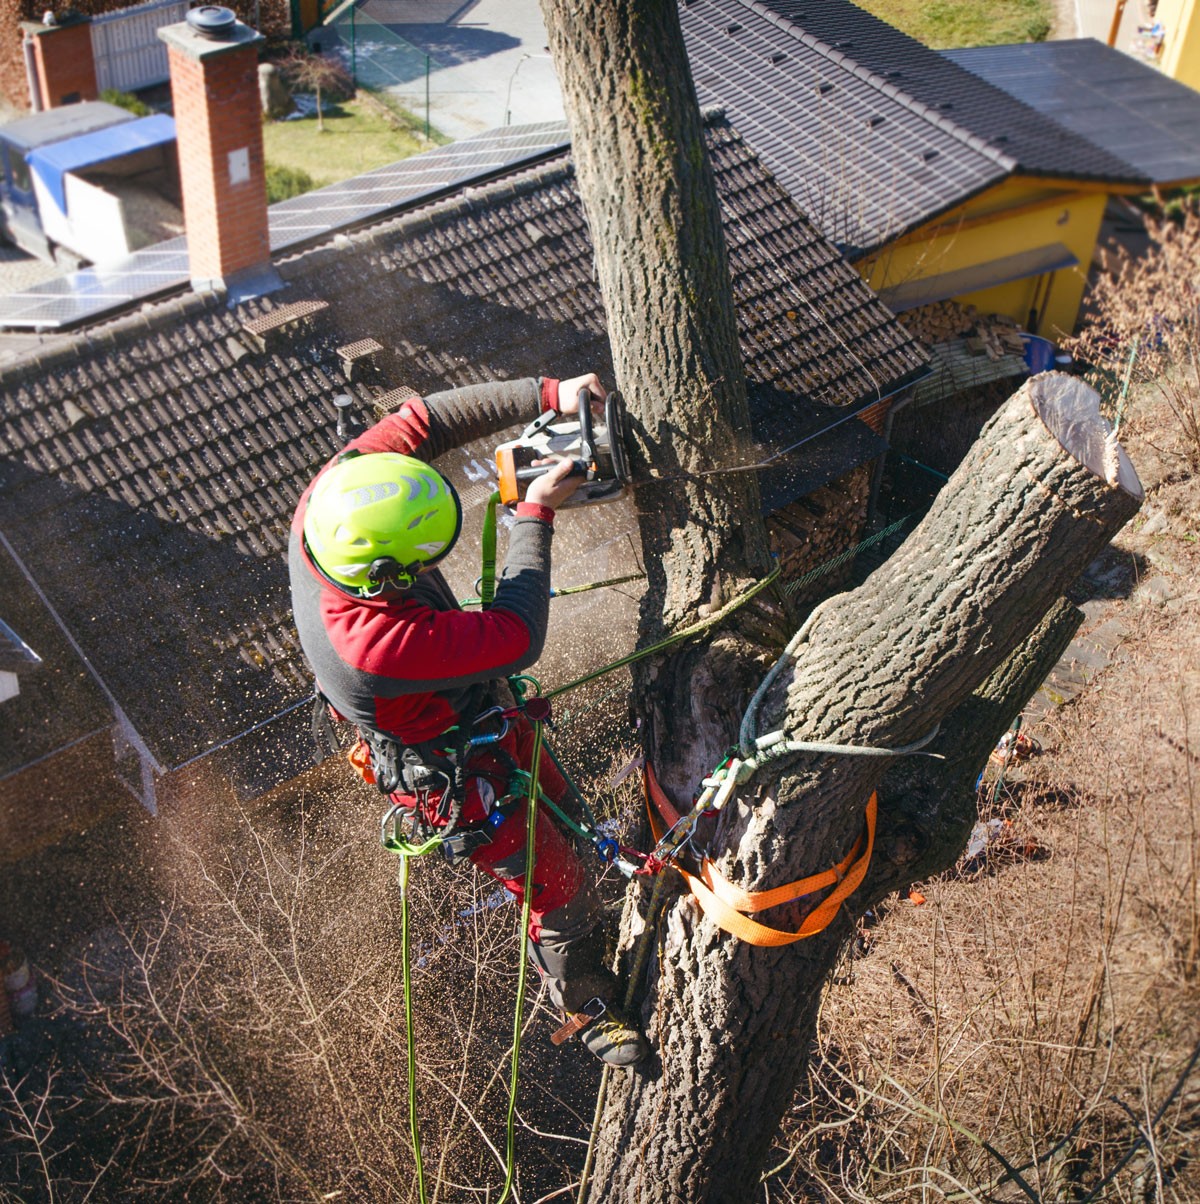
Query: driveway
x: 488, y: 62
x: 1094, y: 18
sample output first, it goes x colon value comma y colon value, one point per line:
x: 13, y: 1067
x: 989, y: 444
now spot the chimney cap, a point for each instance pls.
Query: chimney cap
x: 207, y: 31
x: 212, y: 21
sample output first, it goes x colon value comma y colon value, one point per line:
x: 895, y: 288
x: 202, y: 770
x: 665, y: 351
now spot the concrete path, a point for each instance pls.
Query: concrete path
x: 1094, y: 18
x: 489, y: 62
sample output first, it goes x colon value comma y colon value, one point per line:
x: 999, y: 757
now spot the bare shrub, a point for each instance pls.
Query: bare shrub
x: 246, y: 1040
x: 323, y: 75
x: 1142, y: 328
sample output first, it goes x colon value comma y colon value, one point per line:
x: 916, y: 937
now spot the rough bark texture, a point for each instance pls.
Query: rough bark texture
x: 930, y: 806
x: 647, y: 187
x: 882, y: 666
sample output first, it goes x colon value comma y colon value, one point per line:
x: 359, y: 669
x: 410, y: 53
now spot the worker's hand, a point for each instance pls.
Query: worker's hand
x: 553, y: 488
x: 568, y: 392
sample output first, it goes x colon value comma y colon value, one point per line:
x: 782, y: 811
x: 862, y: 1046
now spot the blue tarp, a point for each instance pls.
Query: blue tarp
x: 51, y: 163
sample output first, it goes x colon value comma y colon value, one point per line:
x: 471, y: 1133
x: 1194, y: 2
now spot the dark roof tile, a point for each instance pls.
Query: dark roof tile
x: 185, y: 479
x: 870, y: 131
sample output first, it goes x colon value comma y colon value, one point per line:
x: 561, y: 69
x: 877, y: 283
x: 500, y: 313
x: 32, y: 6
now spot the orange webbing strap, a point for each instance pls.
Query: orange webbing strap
x: 724, y: 903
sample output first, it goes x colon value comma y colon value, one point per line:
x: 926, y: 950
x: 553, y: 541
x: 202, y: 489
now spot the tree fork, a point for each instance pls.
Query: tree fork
x: 1042, y: 491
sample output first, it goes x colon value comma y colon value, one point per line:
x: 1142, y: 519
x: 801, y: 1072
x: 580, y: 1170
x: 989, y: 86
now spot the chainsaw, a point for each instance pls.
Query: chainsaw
x: 597, y: 449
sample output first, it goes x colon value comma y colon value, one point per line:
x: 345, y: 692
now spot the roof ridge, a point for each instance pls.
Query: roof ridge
x: 898, y: 94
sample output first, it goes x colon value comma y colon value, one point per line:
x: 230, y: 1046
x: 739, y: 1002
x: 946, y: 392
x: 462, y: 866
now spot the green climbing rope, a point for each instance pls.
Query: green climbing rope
x: 686, y: 634
x: 406, y: 850
x: 487, y: 576
x: 510, y: 1132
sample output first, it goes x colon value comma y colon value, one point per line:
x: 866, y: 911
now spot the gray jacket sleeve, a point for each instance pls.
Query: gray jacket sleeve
x: 458, y: 416
x: 524, y: 585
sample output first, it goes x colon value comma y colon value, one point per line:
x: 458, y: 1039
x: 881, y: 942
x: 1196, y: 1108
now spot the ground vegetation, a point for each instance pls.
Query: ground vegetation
x: 947, y: 24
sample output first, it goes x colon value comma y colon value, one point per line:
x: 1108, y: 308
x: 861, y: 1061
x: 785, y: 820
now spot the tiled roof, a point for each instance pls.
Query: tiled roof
x: 153, y: 464
x: 1125, y: 106
x: 872, y: 132
x: 59, y: 701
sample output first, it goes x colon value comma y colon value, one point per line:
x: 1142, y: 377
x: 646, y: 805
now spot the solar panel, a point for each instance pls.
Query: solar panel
x: 95, y: 291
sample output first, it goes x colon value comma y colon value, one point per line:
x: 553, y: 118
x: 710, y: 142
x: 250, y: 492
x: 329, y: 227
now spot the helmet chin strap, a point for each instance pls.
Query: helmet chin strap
x: 385, y: 572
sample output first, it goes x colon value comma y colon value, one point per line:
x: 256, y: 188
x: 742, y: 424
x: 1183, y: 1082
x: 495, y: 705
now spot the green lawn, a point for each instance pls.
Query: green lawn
x: 943, y: 24
x: 357, y: 137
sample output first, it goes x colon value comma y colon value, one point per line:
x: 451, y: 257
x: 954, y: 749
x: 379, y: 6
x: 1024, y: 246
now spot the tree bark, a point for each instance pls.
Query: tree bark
x: 1027, y: 511
x: 930, y: 807
x: 637, y: 143
x: 882, y: 665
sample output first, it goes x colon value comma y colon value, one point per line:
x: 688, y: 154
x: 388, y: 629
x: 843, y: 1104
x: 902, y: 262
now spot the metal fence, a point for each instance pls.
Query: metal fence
x: 376, y: 56
x: 126, y: 46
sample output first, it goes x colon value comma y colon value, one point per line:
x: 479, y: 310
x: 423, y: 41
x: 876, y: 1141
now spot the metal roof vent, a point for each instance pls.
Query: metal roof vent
x: 212, y: 21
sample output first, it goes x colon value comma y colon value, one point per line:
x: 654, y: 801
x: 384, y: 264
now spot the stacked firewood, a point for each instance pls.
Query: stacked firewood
x: 993, y: 335
x: 939, y: 322
x: 814, y: 529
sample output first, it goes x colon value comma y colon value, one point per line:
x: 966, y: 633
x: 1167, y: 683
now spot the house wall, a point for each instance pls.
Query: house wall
x: 1180, y: 57
x: 1019, y: 215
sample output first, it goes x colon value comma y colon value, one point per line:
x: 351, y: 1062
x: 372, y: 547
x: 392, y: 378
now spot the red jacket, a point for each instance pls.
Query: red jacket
x: 404, y: 663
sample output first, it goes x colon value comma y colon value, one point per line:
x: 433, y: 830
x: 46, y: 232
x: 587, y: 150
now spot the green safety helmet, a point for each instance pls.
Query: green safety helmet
x: 378, y: 519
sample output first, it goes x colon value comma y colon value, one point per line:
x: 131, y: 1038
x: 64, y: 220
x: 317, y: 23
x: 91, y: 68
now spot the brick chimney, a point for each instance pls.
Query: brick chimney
x: 64, y: 68
x: 218, y: 124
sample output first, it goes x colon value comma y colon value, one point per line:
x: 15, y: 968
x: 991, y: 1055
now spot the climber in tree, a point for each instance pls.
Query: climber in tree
x: 395, y: 655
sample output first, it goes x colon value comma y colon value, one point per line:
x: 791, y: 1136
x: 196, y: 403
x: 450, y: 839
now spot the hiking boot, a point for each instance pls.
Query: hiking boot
x: 614, y: 1039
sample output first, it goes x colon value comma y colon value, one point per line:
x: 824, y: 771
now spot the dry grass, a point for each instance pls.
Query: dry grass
x: 1030, y: 1032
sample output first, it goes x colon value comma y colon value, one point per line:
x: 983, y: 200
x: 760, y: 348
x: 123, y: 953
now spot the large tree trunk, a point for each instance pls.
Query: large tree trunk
x: 882, y: 665
x: 1026, y: 512
x: 638, y: 148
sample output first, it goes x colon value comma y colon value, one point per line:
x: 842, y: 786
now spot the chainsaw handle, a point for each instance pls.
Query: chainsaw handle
x: 579, y: 468
x: 587, y: 450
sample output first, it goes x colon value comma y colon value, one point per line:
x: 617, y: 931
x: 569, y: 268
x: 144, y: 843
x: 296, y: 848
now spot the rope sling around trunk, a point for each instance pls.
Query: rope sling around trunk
x: 725, y: 904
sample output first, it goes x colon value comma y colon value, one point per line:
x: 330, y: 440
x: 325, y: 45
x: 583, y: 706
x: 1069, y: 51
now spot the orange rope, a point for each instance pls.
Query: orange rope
x: 725, y: 903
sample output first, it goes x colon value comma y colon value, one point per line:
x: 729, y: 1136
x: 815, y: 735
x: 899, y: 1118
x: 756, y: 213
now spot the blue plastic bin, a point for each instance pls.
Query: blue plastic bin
x: 1039, y: 353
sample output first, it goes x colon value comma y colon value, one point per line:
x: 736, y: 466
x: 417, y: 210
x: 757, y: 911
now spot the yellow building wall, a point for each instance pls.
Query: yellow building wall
x: 1018, y: 215
x: 1180, y: 55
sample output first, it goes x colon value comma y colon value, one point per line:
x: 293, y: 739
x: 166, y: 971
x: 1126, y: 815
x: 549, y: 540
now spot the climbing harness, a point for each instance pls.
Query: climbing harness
x: 725, y: 904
